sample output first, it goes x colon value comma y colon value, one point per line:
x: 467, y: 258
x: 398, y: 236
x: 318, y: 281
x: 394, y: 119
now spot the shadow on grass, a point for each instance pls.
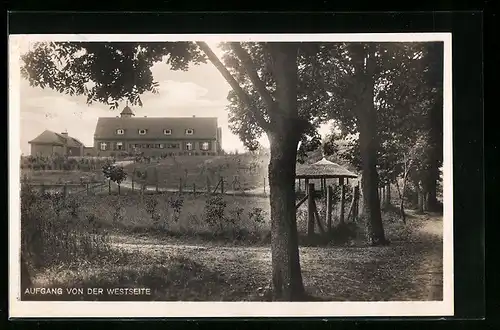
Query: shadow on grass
x: 174, y: 279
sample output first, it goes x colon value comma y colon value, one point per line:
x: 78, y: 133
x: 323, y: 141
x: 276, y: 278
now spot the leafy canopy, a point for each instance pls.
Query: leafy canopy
x: 105, y: 72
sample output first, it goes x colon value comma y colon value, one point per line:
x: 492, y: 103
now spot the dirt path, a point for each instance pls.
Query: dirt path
x: 432, y: 266
x: 410, y: 269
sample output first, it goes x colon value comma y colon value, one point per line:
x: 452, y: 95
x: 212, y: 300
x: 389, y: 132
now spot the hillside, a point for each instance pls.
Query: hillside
x: 247, y: 169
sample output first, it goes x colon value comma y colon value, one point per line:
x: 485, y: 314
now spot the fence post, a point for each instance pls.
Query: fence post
x: 264, y: 185
x: 109, y: 187
x: 133, y: 177
x: 156, y: 179
x: 310, y: 209
x: 222, y: 185
x: 87, y: 188
x: 194, y: 189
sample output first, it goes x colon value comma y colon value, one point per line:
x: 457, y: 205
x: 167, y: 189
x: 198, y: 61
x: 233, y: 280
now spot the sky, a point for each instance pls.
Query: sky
x: 199, y: 91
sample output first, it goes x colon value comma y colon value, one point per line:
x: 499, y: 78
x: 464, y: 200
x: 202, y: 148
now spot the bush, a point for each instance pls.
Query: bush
x: 52, y: 236
x: 176, y: 203
x: 151, y: 205
x: 214, y: 210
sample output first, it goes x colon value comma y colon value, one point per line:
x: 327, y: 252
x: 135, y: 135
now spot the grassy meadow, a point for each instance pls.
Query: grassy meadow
x: 208, y: 247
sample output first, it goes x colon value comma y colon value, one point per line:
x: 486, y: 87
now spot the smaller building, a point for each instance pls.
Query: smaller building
x: 56, y: 144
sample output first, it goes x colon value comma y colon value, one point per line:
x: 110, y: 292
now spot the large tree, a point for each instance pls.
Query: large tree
x: 407, y: 100
x: 112, y: 72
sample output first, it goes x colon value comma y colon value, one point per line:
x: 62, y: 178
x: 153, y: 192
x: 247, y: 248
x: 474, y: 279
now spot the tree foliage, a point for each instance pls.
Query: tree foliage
x: 311, y: 98
x: 104, y: 72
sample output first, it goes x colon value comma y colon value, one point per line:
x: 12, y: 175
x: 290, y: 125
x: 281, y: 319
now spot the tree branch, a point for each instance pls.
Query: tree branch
x: 251, y: 70
x: 234, y: 85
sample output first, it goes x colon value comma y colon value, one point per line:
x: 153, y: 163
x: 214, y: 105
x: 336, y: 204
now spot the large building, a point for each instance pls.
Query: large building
x: 52, y: 144
x: 155, y: 136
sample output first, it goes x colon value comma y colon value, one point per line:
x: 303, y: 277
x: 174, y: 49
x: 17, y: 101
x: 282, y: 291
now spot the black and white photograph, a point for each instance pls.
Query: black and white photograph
x: 230, y: 175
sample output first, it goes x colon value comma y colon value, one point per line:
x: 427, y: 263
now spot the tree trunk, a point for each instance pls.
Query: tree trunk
x: 420, y: 198
x: 430, y: 186
x: 283, y: 139
x: 368, y: 142
x: 435, y: 155
x: 283, y: 133
x: 286, y: 273
x: 388, y: 195
x: 401, y: 193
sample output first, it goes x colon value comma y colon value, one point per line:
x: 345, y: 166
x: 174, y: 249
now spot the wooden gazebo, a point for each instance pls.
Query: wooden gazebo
x: 324, y: 170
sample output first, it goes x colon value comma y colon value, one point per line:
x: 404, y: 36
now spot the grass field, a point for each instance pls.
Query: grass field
x: 213, y: 247
x: 177, y: 269
x: 59, y: 177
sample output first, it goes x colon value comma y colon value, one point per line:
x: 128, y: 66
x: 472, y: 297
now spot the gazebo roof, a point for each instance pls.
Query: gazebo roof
x: 323, y: 169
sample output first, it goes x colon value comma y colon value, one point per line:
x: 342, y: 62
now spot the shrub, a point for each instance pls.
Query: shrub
x: 176, y: 203
x: 256, y: 215
x: 117, y: 212
x: 235, y: 215
x: 50, y: 236
x: 214, y: 211
x: 151, y: 205
x: 73, y: 205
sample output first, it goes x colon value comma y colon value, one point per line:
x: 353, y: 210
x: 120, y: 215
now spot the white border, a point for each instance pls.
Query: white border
x: 31, y: 309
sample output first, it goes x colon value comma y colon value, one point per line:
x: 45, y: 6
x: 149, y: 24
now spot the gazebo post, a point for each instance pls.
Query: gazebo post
x: 342, y: 199
x: 329, y: 195
x: 310, y: 209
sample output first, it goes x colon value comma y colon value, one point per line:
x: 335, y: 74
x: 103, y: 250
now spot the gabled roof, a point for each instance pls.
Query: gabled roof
x: 323, y: 169
x: 49, y: 137
x: 203, y: 127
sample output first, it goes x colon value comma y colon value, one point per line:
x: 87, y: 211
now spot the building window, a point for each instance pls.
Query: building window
x: 189, y: 146
x: 142, y: 132
x: 167, y: 131
x: 205, y: 146
x: 157, y: 146
x: 119, y: 145
x: 173, y: 146
x: 162, y: 145
x: 120, y: 131
x: 189, y: 131
x: 144, y: 145
x: 103, y: 146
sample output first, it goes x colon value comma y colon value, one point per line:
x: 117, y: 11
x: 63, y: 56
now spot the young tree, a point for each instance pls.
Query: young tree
x: 114, y: 173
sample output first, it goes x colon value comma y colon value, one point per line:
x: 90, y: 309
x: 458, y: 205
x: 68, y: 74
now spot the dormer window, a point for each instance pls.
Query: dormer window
x: 189, y: 131
x: 142, y: 132
x: 167, y: 131
x: 120, y: 131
